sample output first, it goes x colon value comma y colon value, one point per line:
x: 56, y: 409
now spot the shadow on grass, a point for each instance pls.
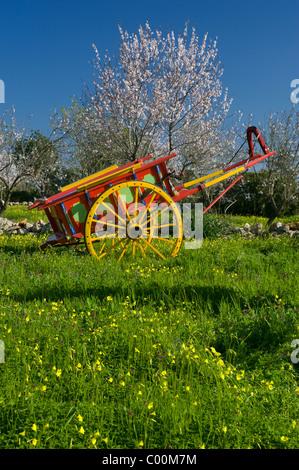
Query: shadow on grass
x: 202, y: 297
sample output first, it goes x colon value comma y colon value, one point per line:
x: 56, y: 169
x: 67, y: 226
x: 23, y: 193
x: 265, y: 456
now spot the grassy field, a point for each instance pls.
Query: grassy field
x: 190, y: 353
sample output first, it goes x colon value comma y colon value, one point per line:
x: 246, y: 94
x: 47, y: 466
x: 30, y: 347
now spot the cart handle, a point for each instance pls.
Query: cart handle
x: 240, y: 166
x: 254, y: 130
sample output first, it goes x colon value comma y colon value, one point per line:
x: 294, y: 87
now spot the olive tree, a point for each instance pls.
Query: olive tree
x: 281, y: 131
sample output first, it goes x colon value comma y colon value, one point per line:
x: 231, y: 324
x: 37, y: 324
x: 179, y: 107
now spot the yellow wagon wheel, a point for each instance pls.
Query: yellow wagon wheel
x: 133, y: 217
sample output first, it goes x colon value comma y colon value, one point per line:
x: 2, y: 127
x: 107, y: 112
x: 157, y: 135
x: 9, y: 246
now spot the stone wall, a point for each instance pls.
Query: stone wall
x: 23, y: 228
x: 291, y: 230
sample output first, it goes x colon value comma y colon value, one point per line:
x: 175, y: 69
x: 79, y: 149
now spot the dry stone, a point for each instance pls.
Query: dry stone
x: 256, y: 229
x: 293, y: 226
x: 283, y: 229
x: 23, y: 227
x: 275, y: 226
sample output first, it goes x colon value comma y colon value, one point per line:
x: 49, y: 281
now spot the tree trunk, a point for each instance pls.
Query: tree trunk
x: 206, y: 197
x: 277, y: 210
x: 3, y: 206
x: 5, y: 202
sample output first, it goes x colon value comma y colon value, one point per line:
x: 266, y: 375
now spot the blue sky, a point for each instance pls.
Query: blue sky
x: 46, y: 47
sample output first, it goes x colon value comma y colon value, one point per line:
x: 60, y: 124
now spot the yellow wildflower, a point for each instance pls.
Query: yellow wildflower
x: 215, y: 352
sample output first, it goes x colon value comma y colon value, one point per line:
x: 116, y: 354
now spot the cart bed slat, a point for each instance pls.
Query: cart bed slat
x: 88, y: 178
x: 108, y: 177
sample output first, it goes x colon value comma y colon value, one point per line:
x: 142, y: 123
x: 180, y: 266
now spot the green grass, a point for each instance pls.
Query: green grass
x: 189, y: 353
x: 21, y: 212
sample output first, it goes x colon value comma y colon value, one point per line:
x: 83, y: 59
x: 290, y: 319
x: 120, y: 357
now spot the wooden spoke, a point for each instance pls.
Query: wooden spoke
x: 113, y: 212
x: 103, y: 246
x: 124, y: 249
x: 156, y: 212
x: 136, y: 201
x: 146, y: 209
x: 165, y: 240
x: 154, y: 249
x: 110, y: 224
x: 112, y: 247
x: 141, y: 249
x: 119, y: 197
x: 98, y: 239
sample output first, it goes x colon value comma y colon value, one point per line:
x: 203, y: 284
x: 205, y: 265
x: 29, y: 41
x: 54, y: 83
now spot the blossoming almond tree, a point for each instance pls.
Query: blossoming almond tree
x: 160, y: 95
x: 24, y: 156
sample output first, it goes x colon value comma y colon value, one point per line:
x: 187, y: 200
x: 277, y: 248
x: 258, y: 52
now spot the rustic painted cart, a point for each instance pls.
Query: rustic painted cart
x: 120, y: 209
